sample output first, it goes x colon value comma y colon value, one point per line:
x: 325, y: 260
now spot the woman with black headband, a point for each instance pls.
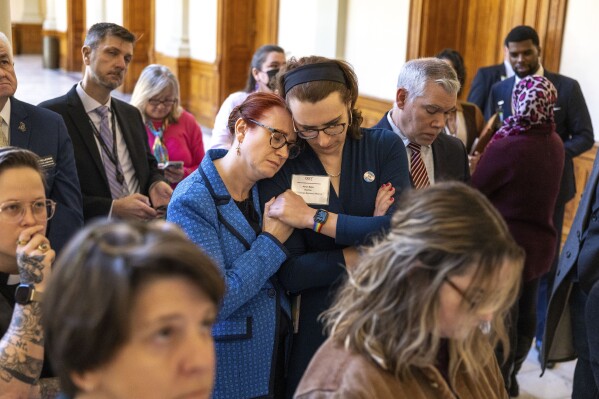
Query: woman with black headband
x: 337, y: 194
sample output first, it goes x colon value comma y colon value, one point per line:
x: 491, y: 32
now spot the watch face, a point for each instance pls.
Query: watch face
x: 23, y: 294
x: 321, y: 216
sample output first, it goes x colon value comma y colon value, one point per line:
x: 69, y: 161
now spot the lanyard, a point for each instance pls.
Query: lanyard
x: 112, y: 155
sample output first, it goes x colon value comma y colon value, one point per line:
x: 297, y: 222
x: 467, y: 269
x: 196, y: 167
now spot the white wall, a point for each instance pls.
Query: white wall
x: 579, y: 52
x: 308, y: 27
x: 202, y: 29
x: 103, y: 11
x: 60, y: 8
x: 26, y: 11
x: 198, y: 39
x: 377, y: 49
x: 16, y: 10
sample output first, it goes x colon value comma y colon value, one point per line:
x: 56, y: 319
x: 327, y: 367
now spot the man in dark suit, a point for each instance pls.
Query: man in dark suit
x: 44, y: 133
x: 573, y: 312
x: 573, y: 124
x: 119, y: 177
x: 485, y: 78
x: 426, y: 94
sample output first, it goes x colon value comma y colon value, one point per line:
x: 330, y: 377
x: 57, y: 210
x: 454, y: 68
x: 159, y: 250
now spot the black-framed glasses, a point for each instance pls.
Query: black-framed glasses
x: 14, y: 211
x: 471, y: 303
x: 167, y: 103
x: 278, y: 139
x: 331, y: 130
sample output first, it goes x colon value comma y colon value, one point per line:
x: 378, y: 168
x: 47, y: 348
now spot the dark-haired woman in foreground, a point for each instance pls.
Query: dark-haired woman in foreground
x: 129, y: 313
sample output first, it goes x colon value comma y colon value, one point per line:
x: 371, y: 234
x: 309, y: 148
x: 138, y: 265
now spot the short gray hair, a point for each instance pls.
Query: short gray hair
x: 4, y: 39
x: 415, y: 74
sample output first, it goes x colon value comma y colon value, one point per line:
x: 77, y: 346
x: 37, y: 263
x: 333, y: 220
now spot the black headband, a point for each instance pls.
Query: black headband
x: 312, y: 72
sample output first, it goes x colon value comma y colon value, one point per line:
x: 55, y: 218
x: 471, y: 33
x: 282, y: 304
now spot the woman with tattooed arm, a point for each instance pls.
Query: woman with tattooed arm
x: 24, y: 250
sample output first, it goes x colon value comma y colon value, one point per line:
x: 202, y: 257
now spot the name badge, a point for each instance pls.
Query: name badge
x: 47, y: 162
x: 313, y: 189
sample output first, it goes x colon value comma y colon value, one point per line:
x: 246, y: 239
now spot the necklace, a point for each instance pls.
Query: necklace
x: 330, y: 175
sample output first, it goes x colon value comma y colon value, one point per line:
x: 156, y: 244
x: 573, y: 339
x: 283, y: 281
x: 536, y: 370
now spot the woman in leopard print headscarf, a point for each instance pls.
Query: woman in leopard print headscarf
x: 520, y: 172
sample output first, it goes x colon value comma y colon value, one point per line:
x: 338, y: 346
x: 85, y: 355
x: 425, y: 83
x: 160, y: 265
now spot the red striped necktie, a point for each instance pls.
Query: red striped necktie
x: 417, y: 169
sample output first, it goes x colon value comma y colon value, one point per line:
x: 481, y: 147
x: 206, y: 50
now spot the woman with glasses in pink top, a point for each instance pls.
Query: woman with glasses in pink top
x: 174, y: 136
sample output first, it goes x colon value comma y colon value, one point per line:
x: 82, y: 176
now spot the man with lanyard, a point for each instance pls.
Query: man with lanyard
x: 119, y: 176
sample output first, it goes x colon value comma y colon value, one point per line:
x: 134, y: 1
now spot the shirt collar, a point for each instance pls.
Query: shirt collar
x: 5, y: 113
x: 509, y: 71
x: 396, y: 130
x: 540, y: 72
x: 89, y: 103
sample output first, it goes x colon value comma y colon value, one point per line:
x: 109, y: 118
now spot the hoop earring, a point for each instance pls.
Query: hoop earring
x: 239, y: 149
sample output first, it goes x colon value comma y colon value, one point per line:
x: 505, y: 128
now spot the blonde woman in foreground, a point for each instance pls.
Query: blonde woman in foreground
x: 420, y: 315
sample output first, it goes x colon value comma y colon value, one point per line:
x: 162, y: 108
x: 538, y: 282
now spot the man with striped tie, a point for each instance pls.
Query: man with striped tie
x: 426, y: 95
x: 119, y: 176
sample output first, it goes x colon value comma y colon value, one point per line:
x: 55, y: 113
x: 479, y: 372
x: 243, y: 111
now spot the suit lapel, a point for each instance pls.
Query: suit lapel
x: 436, y: 147
x: 82, y: 122
x: 507, y: 95
x: 133, y: 147
x: 226, y: 207
x: 584, y: 207
x: 20, y: 131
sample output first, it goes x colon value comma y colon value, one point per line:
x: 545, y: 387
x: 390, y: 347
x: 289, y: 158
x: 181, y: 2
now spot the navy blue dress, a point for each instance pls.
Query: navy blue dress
x: 316, y: 264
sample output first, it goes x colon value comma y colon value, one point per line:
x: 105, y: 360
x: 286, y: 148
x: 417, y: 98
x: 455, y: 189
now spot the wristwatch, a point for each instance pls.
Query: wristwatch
x: 320, y: 218
x: 26, y: 293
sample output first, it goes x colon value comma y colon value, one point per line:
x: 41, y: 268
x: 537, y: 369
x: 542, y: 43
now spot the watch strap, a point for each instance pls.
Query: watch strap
x: 36, y: 296
x: 320, y: 218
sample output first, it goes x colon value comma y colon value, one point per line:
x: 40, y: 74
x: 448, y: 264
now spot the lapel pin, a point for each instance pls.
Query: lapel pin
x: 22, y: 127
x: 369, y: 176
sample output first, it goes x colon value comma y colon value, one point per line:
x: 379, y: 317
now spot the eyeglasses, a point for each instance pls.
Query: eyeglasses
x: 167, y: 103
x: 331, y: 130
x: 14, y: 211
x: 278, y: 139
x: 472, y: 303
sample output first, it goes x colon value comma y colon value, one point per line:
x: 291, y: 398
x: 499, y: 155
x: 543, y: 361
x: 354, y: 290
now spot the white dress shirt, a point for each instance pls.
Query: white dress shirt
x: 5, y: 124
x: 90, y: 105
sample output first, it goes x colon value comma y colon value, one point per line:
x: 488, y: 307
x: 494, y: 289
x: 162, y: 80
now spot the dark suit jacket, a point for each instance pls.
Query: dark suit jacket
x: 97, y: 199
x: 44, y: 133
x: 557, y: 341
x: 450, y: 159
x: 572, y: 120
x: 484, y: 79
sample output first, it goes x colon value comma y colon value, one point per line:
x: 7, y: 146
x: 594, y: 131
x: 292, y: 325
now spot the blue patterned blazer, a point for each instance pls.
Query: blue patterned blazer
x: 245, y: 334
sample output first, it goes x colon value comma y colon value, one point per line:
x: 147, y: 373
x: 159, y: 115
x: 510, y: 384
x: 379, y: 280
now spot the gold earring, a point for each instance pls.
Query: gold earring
x: 238, y: 149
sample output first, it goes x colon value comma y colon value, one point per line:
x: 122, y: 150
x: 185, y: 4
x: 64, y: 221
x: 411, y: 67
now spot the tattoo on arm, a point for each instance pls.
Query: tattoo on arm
x: 30, y: 268
x: 21, y: 347
x: 49, y: 388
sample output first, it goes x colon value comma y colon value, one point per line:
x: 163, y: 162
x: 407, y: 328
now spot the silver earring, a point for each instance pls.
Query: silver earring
x: 485, y: 327
x: 239, y: 149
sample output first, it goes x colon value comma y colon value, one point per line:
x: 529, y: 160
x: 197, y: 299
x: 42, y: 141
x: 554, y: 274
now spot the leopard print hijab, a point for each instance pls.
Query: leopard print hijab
x: 533, y: 100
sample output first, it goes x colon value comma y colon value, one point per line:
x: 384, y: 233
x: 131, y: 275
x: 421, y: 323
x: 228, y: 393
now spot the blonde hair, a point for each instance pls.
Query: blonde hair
x: 154, y: 79
x: 388, y: 308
